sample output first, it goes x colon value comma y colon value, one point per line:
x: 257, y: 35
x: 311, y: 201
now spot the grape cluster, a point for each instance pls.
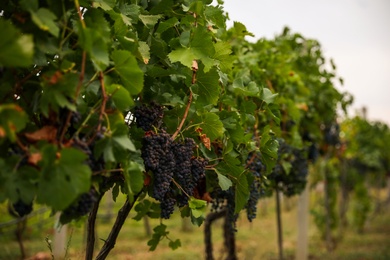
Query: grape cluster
x: 256, y: 190
x: 159, y: 159
x: 148, y: 117
x: 175, y: 171
x: 81, y: 207
x: 21, y: 208
x: 294, y: 181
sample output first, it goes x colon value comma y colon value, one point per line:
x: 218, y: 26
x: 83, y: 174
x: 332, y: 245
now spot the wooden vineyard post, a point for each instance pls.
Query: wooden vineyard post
x: 303, y: 223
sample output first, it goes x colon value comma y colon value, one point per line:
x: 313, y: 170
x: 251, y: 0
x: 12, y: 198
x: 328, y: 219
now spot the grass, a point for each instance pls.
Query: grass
x: 256, y: 240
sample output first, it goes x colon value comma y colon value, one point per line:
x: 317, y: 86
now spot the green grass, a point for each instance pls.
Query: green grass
x: 255, y: 240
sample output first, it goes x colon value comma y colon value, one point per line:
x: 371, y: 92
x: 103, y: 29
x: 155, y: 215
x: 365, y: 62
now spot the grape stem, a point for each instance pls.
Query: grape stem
x: 178, y: 185
x: 105, y: 97
x: 187, y: 107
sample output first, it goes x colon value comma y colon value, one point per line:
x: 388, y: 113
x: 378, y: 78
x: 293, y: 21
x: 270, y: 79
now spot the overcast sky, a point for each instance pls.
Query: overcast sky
x: 355, y: 33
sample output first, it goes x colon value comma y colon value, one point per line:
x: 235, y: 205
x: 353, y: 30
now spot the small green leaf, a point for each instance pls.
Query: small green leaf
x: 224, y: 182
x: 120, y: 96
x: 159, y: 232
x: 267, y: 96
x: 198, y: 207
x: 106, y: 5
x: 174, y: 244
x: 144, y: 50
x: 133, y: 178
x: 45, y: 20
x: 212, y: 126
x: 16, y: 49
x: 149, y: 20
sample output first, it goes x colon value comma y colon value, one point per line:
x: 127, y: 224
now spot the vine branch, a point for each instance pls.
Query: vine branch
x: 91, y: 229
x: 193, y: 81
x: 109, y: 243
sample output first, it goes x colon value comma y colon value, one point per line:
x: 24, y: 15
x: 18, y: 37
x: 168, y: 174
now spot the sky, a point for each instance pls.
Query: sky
x: 354, y: 33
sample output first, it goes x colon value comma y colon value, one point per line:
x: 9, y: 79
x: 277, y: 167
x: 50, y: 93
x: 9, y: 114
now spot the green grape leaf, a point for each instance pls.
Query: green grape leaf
x: 106, y: 5
x: 93, y: 42
x: 159, y: 232
x: 16, y: 49
x: 241, y: 30
x: 165, y: 25
x: 200, y: 48
x: 241, y: 193
x: 198, y: 207
x: 45, y: 20
x: 268, y: 96
x: 120, y: 96
x: 174, y: 244
x: 212, y: 125
x: 208, y: 87
x: 127, y: 67
x: 223, y: 57
x: 18, y: 183
x: 269, y: 149
x: 144, y: 50
x: 147, y: 208
x: 65, y: 176
x: 133, y: 179
x: 232, y: 167
x: 224, y: 182
x: 251, y: 90
x: 149, y: 20
x: 58, y: 93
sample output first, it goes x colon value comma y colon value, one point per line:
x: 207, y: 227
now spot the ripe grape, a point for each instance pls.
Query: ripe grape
x: 81, y: 206
x: 256, y: 190
x: 21, y: 208
x: 148, y: 117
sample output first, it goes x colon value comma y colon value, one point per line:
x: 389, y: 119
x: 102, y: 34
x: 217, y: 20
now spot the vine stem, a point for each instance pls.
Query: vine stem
x: 104, y: 102
x: 109, y: 243
x: 181, y: 188
x: 91, y: 229
x: 193, y: 81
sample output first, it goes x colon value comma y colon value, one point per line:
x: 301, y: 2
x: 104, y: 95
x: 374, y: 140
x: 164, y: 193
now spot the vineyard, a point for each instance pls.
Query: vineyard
x: 158, y: 110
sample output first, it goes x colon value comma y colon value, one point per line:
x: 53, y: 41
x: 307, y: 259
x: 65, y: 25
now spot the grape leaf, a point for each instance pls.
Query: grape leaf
x: 127, y: 67
x: 133, y: 178
x: 200, y: 48
x: 159, y: 232
x: 120, y: 96
x: 65, y: 176
x: 174, y: 244
x: 45, y: 20
x: 268, y: 96
x: 208, y: 87
x: 212, y: 125
x: 224, y: 182
x: 16, y: 49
